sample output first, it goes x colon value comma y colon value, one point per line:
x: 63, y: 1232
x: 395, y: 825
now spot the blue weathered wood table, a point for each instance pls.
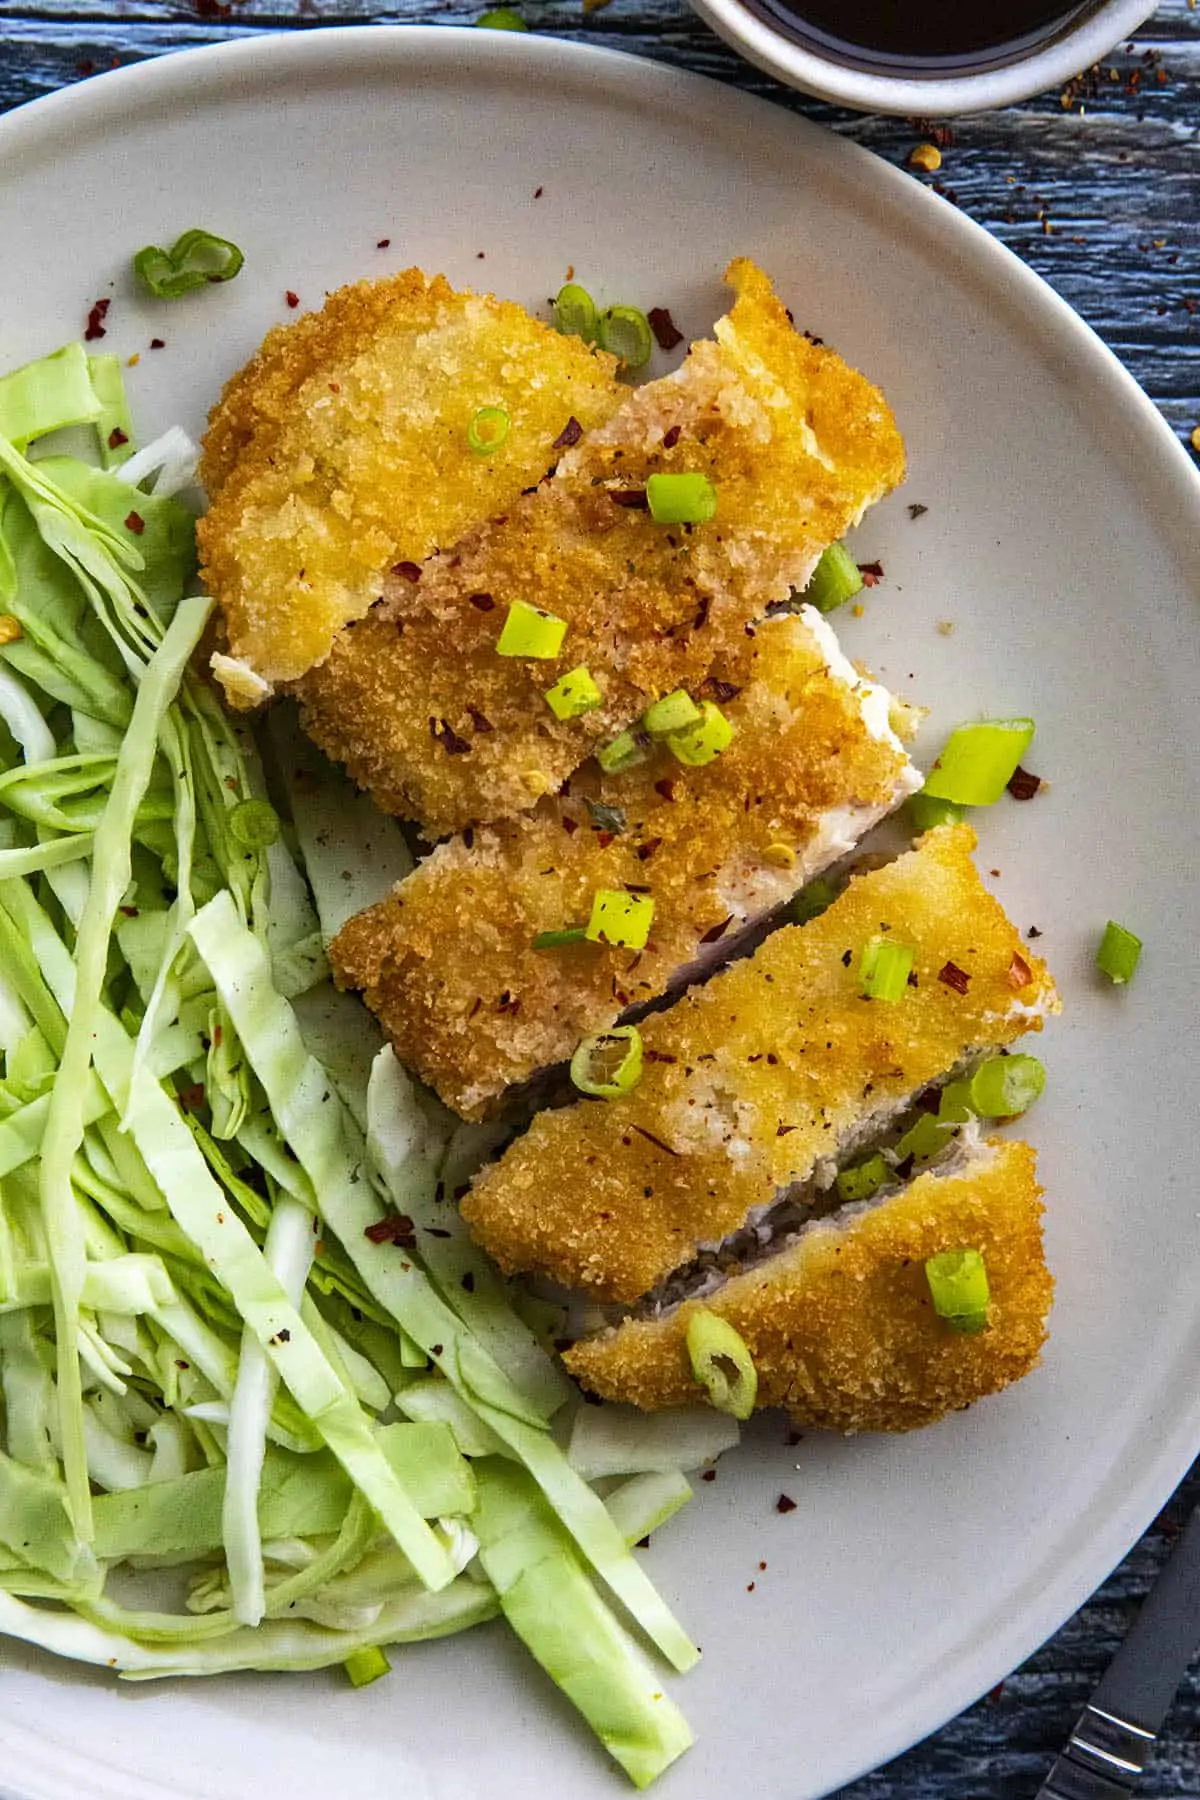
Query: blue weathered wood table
x: 1097, y: 186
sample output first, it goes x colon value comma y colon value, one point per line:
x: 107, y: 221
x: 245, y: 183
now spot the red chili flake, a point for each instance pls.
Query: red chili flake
x: 95, y: 320
x: 954, y: 977
x: 872, y: 573
x: 701, y: 618
x: 783, y: 1130
x: 634, y: 498
x: 158, y: 343
x: 130, y: 912
x: 646, y: 851
x: 666, y: 788
x: 662, y: 1056
x: 785, y: 1504
x: 570, y: 434
x: 481, y: 602
x: 445, y: 735
x: 750, y: 1586
x: 720, y: 691
x: 480, y: 720
x: 396, y: 1228
x: 995, y: 1693
x: 708, y: 1475
x: 191, y: 1099
x: 384, y: 244
x: 407, y: 571
x: 605, y: 838
x: 1034, y: 932
x: 116, y: 438
x: 671, y: 437
x: 665, y: 330
x: 507, y: 1004
x: 86, y: 67
x: 657, y: 1142
x: 570, y: 825
x: 538, y: 192
x: 1023, y: 785
x: 134, y: 522
x: 1019, y: 972
x: 291, y: 298
x: 476, y: 1007
x: 716, y: 932
x: 917, y: 511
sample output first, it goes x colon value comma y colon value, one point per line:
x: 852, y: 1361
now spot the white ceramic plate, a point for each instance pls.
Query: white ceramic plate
x: 1062, y: 540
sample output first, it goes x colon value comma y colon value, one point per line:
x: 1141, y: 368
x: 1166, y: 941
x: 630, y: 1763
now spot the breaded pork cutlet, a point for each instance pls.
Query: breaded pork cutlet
x: 840, y: 1323
x: 341, y: 450
x: 417, y: 700
x: 764, y: 1079
x: 449, y: 963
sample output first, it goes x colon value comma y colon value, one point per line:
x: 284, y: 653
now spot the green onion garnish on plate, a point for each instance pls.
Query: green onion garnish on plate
x: 1118, y: 954
x: 573, y: 694
x: 680, y: 498
x: 621, y: 918
x: 834, y: 580
x: 958, y: 1287
x: 926, y: 812
x: 674, y: 712
x: 528, y: 631
x: 1005, y: 1086
x: 501, y: 18
x: 884, y: 968
x: 721, y: 1363
x: 625, y: 332
x: 703, y: 742
x: 488, y: 430
x: 554, y: 940
x: 194, y: 260
x: 864, y: 1179
x: 366, y: 1666
x: 978, y: 761
x: 575, y: 313
x: 626, y: 750
x: 610, y: 1064
x: 925, y: 1138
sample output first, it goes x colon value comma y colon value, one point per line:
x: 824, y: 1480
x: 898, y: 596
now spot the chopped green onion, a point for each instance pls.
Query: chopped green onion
x: 721, y: 1363
x: 884, y: 968
x: 680, y: 499
x: 703, y: 742
x: 502, y: 18
x: 955, y: 1105
x: 528, y: 631
x: 672, y: 713
x: 609, y: 1064
x: 978, y: 761
x: 575, y: 313
x: 926, y: 812
x: 193, y: 261
x: 863, y: 1179
x: 553, y: 940
x: 812, y: 901
x: 488, y: 430
x: 834, y: 580
x: 958, y: 1287
x: 1118, y: 954
x: 366, y: 1666
x: 625, y: 752
x: 254, y: 824
x: 620, y: 918
x: 625, y: 332
x: 1004, y: 1086
x: 925, y: 1139
x: 573, y: 694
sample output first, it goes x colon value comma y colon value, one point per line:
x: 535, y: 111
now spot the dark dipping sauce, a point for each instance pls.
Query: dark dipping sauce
x: 934, y: 35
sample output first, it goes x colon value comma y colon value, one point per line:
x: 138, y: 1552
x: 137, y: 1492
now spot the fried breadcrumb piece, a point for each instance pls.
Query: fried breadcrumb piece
x: 340, y: 451
x: 841, y: 1326
x: 448, y: 961
x: 417, y: 702
x: 763, y: 1077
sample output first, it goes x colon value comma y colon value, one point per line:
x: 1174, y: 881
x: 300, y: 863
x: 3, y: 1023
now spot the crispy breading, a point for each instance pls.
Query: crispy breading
x: 423, y: 711
x: 341, y: 450
x: 755, y: 1080
x: 447, y: 961
x: 841, y: 1326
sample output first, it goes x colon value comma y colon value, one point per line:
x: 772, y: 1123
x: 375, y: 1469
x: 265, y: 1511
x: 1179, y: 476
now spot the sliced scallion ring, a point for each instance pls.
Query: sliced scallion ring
x: 978, y: 761
x: 528, y: 631
x: 884, y: 968
x: 575, y: 313
x: 626, y: 750
x: 365, y: 1666
x: 926, y: 812
x: 625, y: 332
x: 674, y: 712
x: 621, y: 918
x: 835, y: 580
x: 194, y: 261
x: 1118, y: 954
x: 703, y: 742
x: 609, y: 1064
x: 501, y: 18
x: 488, y: 430
x: 721, y: 1363
x: 1005, y: 1086
x: 861, y: 1180
x: 681, y: 498
x: 958, y: 1287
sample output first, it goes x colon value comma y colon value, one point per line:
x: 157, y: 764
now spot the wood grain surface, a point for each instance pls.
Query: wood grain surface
x: 1097, y: 187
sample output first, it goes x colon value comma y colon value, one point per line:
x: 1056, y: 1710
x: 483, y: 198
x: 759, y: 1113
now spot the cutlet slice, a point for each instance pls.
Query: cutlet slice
x: 763, y: 1079
x: 340, y: 451
x: 840, y: 1323
x: 448, y: 961
x: 417, y: 702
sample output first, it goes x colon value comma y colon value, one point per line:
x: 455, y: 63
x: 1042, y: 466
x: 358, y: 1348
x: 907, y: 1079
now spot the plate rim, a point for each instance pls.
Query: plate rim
x: 1154, y: 463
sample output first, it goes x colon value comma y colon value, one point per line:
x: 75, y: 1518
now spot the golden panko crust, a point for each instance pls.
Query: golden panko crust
x: 841, y: 1326
x: 341, y: 450
x: 415, y: 700
x: 754, y: 1079
x: 447, y: 961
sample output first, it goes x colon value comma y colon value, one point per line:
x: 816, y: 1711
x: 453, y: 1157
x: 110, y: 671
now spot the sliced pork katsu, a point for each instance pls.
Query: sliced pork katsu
x: 763, y: 1081
x: 770, y: 447
x: 839, y: 1319
x: 464, y: 962
x: 344, y: 448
